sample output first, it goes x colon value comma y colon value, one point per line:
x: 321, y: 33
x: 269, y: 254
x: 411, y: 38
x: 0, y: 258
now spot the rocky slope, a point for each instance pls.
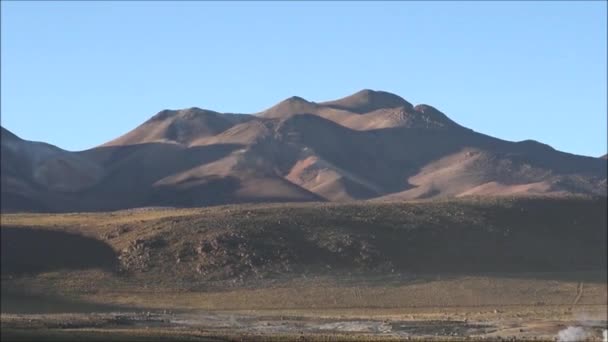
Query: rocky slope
x: 371, y: 145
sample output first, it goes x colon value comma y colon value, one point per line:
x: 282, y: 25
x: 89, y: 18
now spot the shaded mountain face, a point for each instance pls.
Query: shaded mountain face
x: 36, y: 174
x: 371, y: 145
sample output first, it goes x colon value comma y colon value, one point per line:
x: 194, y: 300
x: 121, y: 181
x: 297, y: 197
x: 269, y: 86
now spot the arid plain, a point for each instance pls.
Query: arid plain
x: 474, y: 268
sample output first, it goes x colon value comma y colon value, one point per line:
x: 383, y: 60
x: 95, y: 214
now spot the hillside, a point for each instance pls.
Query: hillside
x: 427, y: 270
x: 193, y: 247
x: 371, y: 145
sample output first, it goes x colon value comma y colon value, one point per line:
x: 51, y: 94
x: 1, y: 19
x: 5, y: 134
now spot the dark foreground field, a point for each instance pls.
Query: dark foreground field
x: 457, y: 269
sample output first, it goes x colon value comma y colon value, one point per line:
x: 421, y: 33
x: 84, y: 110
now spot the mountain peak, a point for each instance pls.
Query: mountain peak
x: 289, y: 106
x: 368, y: 100
x: 181, y: 126
x: 295, y: 99
x: 432, y: 114
x: 184, y: 113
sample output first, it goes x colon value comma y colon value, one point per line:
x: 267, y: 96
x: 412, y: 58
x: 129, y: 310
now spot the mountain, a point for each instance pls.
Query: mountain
x: 371, y: 145
x: 36, y: 173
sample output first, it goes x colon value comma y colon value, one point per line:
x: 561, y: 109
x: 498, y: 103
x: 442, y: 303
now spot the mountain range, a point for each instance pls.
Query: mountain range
x: 372, y: 145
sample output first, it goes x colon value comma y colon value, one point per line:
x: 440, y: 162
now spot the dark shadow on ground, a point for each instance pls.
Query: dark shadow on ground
x: 26, y: 250
x: 15, y: 302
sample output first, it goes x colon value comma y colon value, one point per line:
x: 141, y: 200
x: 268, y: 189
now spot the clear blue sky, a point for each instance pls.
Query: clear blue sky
x: 77, y: 74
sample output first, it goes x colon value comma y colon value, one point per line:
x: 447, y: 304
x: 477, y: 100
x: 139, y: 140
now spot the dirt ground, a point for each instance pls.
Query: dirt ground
x: 220, y: 326
x: 424, y: 307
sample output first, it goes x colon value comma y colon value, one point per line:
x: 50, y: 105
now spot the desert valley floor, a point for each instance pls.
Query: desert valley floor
x: 467, y: 269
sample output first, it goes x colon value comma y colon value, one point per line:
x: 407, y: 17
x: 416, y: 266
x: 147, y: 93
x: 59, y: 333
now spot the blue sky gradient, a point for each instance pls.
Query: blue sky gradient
x: 78, y: 74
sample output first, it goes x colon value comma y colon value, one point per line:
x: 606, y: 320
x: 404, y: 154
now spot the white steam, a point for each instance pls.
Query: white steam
x: 572, y: 334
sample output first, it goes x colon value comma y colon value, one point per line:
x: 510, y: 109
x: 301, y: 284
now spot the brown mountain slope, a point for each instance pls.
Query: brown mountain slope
x: 35, y: 174
x: 368, y: 100
x: 178, y: 126
x: 364, y: 110
x: 370, y: 145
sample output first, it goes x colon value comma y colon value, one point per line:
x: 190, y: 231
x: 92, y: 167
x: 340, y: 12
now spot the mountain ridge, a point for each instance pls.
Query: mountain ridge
x: 369, y: 145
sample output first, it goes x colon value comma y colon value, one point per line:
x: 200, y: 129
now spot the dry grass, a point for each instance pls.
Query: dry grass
x: 428, y: 279
x: 443, y: 293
